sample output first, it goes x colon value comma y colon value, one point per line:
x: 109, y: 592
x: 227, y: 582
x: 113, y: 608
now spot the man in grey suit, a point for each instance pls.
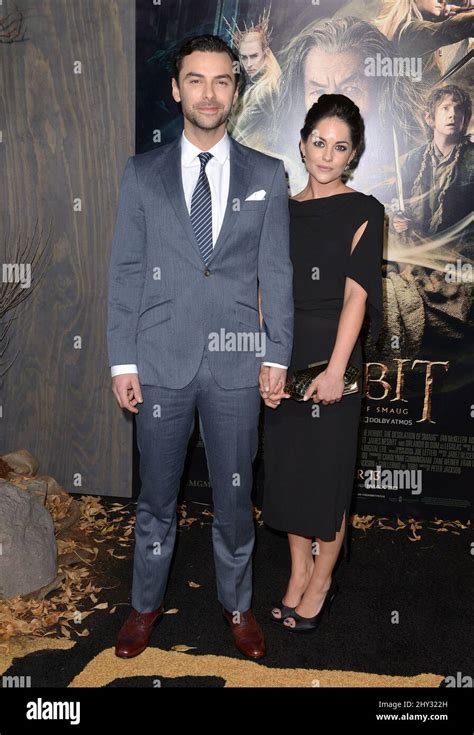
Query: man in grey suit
x: 202, y: 225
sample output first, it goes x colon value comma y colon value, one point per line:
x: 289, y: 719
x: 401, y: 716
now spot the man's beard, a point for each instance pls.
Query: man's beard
x: 211, y: 124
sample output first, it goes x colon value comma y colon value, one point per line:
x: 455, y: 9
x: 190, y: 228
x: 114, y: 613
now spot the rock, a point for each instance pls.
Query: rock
x: 35, y: 486
x: 28, y: 551
x: 5, y: 469
x: 43, y: 486
x: 22, y: 462
x: 54, y: 488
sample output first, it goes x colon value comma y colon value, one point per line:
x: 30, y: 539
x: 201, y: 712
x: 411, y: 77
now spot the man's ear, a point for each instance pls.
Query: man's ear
x: 428, y: 119
x: 175, y: 90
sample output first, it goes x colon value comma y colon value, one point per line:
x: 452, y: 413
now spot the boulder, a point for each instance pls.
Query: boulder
x: 28, y: 550
x: 22, y: 462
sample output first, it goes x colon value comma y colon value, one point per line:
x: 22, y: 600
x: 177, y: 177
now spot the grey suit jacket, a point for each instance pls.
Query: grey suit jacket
x: 165, y: 306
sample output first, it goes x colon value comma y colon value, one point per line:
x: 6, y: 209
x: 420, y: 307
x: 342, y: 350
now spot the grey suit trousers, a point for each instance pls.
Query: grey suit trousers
x: 229, y: 428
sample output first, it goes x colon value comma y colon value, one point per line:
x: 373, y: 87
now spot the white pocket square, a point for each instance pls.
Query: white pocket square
x: 257, y: 196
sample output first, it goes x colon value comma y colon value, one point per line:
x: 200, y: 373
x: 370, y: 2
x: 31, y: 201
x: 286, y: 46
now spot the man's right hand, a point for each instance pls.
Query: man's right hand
x: 271, y: 383
x: 274, y: 399
x: 126, y: 389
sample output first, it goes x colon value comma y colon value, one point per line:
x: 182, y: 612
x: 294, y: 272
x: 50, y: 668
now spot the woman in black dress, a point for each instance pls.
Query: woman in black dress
x: 336, y: 241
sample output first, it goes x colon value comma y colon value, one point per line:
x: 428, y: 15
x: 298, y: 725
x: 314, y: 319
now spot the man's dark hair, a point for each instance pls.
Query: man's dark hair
x: 205, y: 42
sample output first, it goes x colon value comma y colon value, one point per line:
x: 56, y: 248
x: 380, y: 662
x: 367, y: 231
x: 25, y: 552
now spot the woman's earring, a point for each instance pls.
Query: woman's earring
x: 346, y: 168
x: 303, y: 158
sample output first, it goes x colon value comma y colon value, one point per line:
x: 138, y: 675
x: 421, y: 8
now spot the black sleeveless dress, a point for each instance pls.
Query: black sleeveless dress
x: 310, y: 449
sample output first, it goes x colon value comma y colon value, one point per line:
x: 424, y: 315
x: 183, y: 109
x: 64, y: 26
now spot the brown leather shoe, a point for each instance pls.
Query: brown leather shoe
x: 248, y: 635
x: 135, y: 634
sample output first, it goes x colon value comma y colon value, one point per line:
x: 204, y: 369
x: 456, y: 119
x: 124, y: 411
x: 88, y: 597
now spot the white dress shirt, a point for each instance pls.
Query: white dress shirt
x: 218, y: 175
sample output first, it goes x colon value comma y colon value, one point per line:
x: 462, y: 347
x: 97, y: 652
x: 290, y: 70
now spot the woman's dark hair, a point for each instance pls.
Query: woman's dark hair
x: 206, y: 42
x: 337, y: 105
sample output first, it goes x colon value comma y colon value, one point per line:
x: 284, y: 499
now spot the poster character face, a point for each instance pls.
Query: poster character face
x: 337, y: 73
x: 207, y: 88
x: 448, y: 117
x: 252, y: 54
x: 431, y: 6
x: 328, y: 149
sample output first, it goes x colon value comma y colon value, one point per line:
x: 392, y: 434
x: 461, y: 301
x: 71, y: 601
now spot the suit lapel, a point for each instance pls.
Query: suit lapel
x: 170, y: 172
x: 240, y: 174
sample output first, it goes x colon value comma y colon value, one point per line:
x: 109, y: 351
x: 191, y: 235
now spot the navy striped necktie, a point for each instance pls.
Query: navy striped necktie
x: 201, y: 210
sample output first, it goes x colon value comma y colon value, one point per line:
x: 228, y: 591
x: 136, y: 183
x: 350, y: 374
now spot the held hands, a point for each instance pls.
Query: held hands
x: 329, y: 387
x: 271, y: 383
x: 126, y: 389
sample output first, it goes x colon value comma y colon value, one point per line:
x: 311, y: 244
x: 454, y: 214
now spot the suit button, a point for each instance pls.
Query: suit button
x: 207, y: 272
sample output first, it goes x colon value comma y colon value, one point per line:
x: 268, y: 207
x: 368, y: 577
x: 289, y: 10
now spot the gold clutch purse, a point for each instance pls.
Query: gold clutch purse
x: 302, y: 379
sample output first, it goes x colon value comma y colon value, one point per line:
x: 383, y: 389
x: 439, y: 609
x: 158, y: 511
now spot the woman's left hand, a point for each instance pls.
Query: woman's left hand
x: 329, y: 388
